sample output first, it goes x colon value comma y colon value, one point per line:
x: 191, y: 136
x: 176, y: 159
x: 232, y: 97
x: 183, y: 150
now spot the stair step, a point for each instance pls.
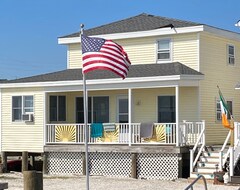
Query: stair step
x: 210, y: 154
x: 205, y: 170
x: 206, y: 175
x: 208, y: 164
x: 209, y: 159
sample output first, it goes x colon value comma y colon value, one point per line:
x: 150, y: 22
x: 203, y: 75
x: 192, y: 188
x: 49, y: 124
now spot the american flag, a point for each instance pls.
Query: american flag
x: 99, y: 53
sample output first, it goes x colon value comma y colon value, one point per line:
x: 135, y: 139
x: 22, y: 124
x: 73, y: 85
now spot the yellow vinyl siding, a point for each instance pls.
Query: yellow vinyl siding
x: 74, y: 56
x: 21, y: 136
x: 214, y: 66
x: 143, y: 50
x: 185, y: 50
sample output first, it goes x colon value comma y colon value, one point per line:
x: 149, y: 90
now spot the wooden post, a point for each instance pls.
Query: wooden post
x: 83, y: 163
x: 24, y: 161
x: 44, y: 160
x: 134, y: 165
x: 4, y: 162
x: 33, y: 180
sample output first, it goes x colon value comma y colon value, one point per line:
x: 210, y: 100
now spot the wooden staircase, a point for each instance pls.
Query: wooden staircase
x: 208, y: 163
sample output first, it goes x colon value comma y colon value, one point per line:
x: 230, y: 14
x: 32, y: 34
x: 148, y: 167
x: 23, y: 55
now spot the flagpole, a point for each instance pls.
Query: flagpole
x: 85, y: 99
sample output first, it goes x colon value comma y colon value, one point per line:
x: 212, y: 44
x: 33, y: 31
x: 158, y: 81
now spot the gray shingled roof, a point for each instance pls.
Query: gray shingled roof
x: 141, y: 70
x: 142, y: 22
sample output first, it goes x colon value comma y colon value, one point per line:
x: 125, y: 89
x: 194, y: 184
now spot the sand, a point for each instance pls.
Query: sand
x: 75, y: 182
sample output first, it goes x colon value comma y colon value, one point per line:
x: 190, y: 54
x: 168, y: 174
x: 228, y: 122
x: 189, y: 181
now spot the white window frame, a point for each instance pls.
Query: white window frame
x: 57, y: 107
x: 230, y: 57
x: 121, y: 97
x: 166, y: 50
x: 23, y: 107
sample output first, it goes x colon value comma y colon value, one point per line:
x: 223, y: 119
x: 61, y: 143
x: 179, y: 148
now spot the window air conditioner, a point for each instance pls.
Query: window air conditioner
x: 27, y: 117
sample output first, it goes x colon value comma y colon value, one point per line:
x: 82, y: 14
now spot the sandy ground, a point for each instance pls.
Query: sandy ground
x: 15, y: 182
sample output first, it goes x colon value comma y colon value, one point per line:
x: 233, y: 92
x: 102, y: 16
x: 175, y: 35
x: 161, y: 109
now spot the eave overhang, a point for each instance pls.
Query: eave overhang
x: 111, y: 84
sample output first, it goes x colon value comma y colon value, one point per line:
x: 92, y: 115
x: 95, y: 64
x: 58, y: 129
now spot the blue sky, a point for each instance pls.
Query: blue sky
x: 29, y: 28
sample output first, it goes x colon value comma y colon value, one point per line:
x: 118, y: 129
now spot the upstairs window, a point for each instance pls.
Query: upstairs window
x: 231, y: 54
x: 164, y: 50
x: 21, y: 105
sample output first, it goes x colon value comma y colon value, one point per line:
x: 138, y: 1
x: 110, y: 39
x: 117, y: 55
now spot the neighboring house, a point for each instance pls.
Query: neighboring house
x: 176, y: 67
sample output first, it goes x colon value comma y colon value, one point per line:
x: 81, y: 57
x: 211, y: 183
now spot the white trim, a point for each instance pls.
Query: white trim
x: 177, y: 114
x: 159, y: 32
x: 198, y: 51
x: 139, y: 34
x: 119, y: 97
x: 102, y: 81
x: 130, y: 115
x: 170, y: 51
x: 44, y: 117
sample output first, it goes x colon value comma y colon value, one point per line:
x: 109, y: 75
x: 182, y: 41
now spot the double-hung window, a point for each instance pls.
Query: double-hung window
x: 123, y: 110
x: 164, y: 50
x: 21, y: 105
x: 57, y: 108
x: 98, y: 109
x: 218, y: 110
x: 231, y: 54
x: 166, y: 109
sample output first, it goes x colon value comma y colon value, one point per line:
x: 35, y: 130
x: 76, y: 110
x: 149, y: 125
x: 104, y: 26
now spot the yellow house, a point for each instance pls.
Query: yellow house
x: 172, y: 83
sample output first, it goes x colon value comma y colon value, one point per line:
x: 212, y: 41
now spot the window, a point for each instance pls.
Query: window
x: 164, y: 50
x: 57, y: 108
x: 98, y: 109
x: 218, y: 111
x: 21, y: 105
x: 231, y: 55
x: 123, y: 110
x: 166, y: 109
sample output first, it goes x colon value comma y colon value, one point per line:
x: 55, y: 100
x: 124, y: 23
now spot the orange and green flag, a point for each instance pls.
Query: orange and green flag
x: 224, y: 111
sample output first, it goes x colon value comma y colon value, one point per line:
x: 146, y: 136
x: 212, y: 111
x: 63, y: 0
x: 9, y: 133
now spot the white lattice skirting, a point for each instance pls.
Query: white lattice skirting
x: 149, y: 166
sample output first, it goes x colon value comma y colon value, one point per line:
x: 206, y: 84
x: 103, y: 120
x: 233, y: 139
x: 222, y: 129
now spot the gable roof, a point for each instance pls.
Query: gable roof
x: 135, y: 71
x: 142, y: 22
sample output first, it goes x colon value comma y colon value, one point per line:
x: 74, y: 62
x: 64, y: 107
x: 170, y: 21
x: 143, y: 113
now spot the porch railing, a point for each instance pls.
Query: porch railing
x: 199, y: 144
x: 235, y: 152
x: 163, y: 133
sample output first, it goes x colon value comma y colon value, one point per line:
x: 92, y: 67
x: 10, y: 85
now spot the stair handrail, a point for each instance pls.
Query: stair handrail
x: 191, y: 184
x: 201, y: 138
x: 221, y: 161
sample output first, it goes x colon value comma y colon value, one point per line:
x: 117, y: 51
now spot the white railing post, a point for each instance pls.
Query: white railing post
x: 231, y: 163
x: 191, y: 160
x: 177, y: 114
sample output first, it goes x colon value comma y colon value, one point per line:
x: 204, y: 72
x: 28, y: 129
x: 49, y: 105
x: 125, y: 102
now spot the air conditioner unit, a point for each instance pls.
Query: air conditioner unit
x: 27, y: 117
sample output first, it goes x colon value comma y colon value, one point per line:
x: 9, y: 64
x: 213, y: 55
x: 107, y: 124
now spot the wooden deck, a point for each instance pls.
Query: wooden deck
x: 117, y: 148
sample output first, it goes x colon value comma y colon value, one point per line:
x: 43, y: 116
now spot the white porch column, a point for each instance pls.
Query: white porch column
x: 44, y: 117
x: 130, y: 115
x: 177, y: 114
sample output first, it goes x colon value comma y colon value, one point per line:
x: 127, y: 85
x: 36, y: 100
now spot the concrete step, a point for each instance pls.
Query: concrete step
x: 235, y: 180
x: 206, y: 175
